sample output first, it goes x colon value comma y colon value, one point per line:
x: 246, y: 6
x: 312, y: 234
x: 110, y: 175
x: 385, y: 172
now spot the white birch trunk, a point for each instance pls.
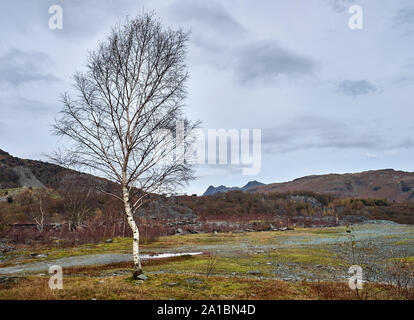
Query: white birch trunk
x: 135, y: 232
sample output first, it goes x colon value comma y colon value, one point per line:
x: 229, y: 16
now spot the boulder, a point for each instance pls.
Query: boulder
x: 272, y: 228
x: 142, y: 277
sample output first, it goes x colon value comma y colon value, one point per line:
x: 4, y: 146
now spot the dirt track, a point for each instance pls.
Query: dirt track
x: 86, y: 260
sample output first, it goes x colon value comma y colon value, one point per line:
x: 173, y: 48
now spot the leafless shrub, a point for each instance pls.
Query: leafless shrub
x: 211, y: 265
x: 401, y: 275
x: 36, y: 205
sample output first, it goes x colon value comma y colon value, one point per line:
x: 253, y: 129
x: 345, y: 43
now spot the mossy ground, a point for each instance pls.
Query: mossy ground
x: 182, y: 286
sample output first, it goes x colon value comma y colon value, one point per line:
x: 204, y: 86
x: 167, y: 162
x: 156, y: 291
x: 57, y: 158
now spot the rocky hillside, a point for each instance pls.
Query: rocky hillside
x: 16, y: 173
x: 390, y: 184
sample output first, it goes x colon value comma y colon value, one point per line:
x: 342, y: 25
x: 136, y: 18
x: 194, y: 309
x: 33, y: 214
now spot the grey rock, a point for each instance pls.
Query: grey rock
x: 5, y: 247
x: 9, y: 280
x: 272, y: 228
x: 254, y: 272
x: 194, y: 281
x: 38, y: 255
x: 142, y: 277
x: 171, y: 284
x: 109, y: 241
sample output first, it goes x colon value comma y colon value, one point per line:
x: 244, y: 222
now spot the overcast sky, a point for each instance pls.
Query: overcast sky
x: 327, y: 98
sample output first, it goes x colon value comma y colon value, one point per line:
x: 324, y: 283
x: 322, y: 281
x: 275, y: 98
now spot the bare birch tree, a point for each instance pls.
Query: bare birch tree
x: 132, y: 91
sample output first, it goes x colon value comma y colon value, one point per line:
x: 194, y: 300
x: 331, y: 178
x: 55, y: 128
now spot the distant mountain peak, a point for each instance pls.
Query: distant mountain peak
x: 211, y: 190
x: 252, y: 184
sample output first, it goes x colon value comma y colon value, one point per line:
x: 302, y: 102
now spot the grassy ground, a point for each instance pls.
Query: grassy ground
x: 226, y: 242
x: 313, y: 263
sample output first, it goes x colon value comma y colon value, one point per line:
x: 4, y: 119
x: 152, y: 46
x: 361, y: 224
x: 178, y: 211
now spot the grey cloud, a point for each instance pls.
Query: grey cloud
x: 22, y: 116
x: 87, y: 18
x: 219, y: 169
x: 266, y: 61
x: 405, y: 75
x: 18, y: 67
x: 322, y: 133
x: 354, y: 88
x: 340, y: 6
x: 214, y: 31
x: 81, y: 19
x: 406, y: 143
x: 404, y: 20
x: 24, y: 108
x: 226, y: 44
x: 404, y: 79
x: 208, y: 14
x: 404, y: 16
